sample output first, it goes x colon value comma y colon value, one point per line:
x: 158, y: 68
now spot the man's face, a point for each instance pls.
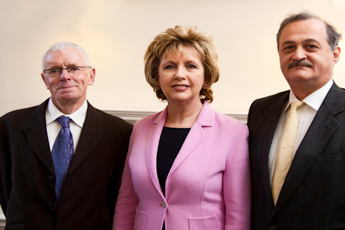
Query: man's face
x: 305, y: 56
x: 67, y: 89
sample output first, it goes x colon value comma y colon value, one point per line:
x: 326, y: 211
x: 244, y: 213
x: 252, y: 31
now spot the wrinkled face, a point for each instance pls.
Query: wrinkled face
x: 305, y: 55
x: 66, y: 88
x: 181, y: 76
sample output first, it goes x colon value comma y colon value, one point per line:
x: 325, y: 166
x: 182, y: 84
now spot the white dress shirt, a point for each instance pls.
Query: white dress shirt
x: 54, y: 127
x: 305, y: 115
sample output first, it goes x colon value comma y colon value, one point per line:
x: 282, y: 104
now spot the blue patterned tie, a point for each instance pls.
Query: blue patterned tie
x: 62, y: 153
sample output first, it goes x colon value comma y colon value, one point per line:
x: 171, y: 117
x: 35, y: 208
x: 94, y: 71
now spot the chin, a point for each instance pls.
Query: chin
x: 299, y: 78
x: 184, y: 100
x: 68, y: 97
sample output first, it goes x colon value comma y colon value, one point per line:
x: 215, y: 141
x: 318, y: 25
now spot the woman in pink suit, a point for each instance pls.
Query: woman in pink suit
x: 187, y: 166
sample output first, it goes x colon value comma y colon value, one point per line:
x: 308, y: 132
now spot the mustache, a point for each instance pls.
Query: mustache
x: 300, y: 63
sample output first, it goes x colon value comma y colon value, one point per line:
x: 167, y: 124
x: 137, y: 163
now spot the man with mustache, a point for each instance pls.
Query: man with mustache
x: 297, y: 137
x: 61, y: 162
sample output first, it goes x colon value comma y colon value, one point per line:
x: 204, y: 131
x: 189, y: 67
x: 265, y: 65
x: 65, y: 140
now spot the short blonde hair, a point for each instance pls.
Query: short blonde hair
x: 176, y: 39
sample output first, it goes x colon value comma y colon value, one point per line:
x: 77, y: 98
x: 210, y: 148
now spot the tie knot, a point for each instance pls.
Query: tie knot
x: 296, y: 104
x: 64, y: 121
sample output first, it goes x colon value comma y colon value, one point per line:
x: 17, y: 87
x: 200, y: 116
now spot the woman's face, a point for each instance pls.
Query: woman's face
x: 181, y: 76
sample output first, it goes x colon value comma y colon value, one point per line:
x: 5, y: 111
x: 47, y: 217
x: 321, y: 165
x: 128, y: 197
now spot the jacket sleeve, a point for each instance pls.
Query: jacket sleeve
x: 115, y: 181
x: 127, y: 200
x: 237, y: 182
x: 5, y: 173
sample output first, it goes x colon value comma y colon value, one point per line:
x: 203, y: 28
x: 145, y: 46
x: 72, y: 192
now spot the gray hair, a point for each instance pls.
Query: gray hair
x: 60, y: 46
x: 332, y: 35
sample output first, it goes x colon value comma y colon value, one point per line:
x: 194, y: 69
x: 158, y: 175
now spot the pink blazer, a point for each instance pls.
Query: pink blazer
x: 208, y: 186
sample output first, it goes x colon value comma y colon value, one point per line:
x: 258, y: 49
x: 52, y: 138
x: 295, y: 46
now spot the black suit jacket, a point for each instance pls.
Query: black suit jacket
x: 27, y: 175
x: 313, y: 194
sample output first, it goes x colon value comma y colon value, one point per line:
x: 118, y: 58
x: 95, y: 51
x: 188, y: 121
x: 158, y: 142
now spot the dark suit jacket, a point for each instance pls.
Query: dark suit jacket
x: 313, y: 195
x: 27, y: 175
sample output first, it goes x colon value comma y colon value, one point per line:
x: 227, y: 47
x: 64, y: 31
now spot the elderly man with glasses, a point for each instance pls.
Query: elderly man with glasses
x: 61, y: 162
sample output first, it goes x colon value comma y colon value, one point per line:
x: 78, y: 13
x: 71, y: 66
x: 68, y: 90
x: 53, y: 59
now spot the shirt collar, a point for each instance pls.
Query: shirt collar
x: 315, y: 99
x: 78, y: 117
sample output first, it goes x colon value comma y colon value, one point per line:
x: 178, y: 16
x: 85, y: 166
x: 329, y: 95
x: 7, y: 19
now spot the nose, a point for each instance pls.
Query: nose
x: 65, y: 75
x: 299, y: 54
x: 180, y: 73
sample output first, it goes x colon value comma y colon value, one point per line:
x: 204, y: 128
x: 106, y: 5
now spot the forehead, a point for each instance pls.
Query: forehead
x: 304, y: 29
x: 69, y: 56
x: 181, y: 52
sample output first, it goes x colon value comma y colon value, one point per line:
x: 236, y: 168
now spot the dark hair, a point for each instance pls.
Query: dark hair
x: 332, y: 35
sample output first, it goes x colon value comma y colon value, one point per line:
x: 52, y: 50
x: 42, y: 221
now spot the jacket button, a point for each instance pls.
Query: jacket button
x: 163, y: 204
x: 53, y: 206
x: 51, y: 179
x: 273, y: 227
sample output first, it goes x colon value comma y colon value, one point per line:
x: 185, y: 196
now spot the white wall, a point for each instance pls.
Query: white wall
x: 117, y: 32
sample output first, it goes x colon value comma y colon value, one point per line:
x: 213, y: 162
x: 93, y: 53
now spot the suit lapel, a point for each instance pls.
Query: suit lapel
x: 265, y: 140
x: 91, y: 134
x: 36, y: 134
x: 317, y: 136
x: 152, y: 148
x: 195, y: 136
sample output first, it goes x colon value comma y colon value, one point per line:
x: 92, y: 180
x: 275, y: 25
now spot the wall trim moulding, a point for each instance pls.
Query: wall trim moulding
x: 133, y: 115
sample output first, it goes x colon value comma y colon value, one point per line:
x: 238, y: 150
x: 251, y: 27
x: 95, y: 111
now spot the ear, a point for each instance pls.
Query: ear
x: 92, y: 76
x: 45, y: 80
x: 336, y: 54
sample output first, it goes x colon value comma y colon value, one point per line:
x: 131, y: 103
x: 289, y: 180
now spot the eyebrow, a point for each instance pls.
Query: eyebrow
x: 309, y: 40
x: 288, y: 43
x: 54, y: 66
x: 312, y: 40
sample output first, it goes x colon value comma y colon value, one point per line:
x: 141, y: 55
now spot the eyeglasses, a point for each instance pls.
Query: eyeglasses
x: 73, y: 70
